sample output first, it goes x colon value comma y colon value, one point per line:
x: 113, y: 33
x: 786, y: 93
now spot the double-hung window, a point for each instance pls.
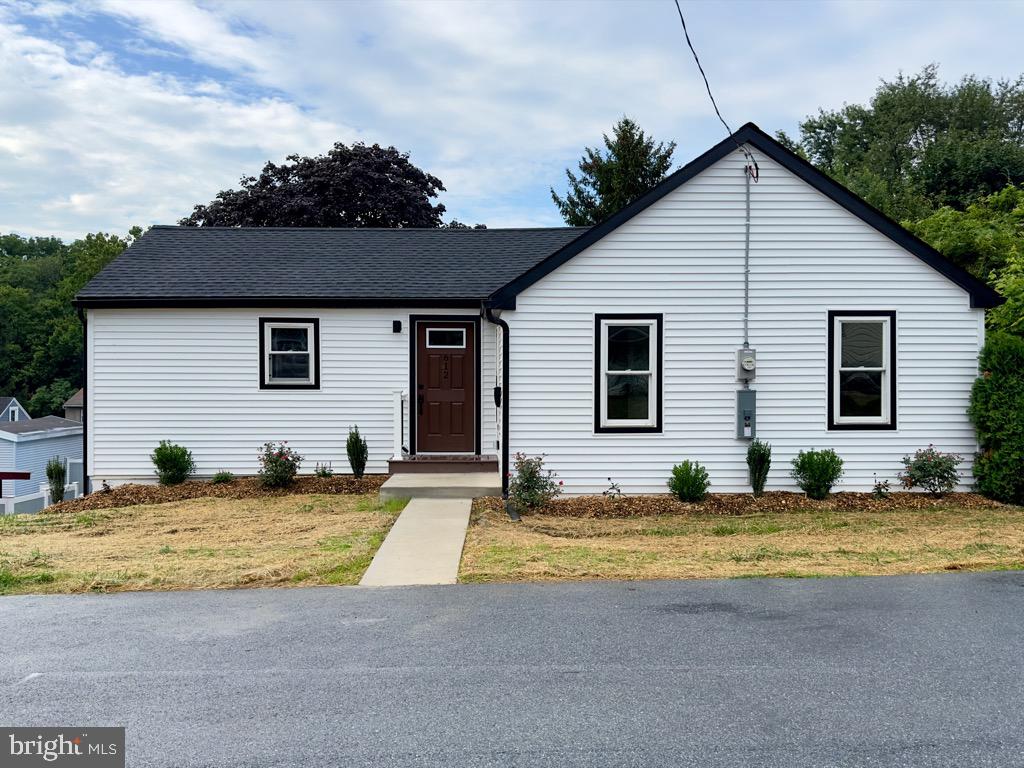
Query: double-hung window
x: 627, y: 372
x: 289, y: 353
x: 862, y: 370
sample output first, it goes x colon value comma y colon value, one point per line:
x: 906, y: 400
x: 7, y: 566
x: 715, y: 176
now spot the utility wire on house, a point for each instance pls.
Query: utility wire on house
x: 752, y: 167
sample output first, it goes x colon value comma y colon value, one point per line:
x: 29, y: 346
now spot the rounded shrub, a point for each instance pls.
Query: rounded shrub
x: 817, y: 471
x: 932, y: 470
x: 531, y: 485
x: 278, y: 464
x: 173, y: 463
x: 997, y: 410
x: 689, y: 481
x: 219, y: 478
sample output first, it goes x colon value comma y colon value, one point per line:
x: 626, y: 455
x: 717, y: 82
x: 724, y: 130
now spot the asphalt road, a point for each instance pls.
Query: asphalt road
x: 904, y: 671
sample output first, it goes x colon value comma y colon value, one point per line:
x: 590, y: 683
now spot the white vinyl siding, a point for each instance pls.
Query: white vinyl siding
x: 683, y: 257
x: 192, y: 376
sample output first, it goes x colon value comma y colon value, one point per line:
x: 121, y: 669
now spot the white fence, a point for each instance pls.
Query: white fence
x: 34, y: 502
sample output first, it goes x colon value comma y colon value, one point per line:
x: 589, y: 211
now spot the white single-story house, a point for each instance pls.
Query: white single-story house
x: 27, y: 446
x: 716, y: 308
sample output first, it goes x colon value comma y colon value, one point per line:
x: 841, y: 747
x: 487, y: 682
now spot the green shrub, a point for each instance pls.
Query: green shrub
x: 56, y: 476
x: 173, y: 463
x: 759, y: 461
x: 219, y: 478
x: 932, y: 470
x: 324, y: 470
x: 357, y: 452
x: 817, y: 471
x: 531, y: 486
x: 689, y: 481
x: 997, y: 410
x: 278, y: 464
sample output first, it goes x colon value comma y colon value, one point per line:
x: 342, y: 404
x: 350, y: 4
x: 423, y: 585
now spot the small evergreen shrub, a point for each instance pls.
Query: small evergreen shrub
x: 278, y: 464
x: 759, y: 461
x: 357, y: 452
x: 997, y: 410
x: 324, y: 470
x: 689, y: 481
x: 219, y: 478
x: 173, y: 463
x: 532, y: 486
x: 56, y: 476
x: 817, y: 471
x: 932, y: 470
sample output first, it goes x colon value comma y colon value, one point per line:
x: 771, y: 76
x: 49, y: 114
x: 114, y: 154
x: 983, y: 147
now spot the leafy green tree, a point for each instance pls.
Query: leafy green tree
x: 40, y: 334
x: 921, y: 144
x: 981, y: 239
x: 357, y: 186
x: 1009, y: 317
x: 631, y: 164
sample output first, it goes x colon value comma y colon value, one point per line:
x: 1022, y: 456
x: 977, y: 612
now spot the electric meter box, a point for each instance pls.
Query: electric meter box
x: 746, y: 364
x: 746, y: 414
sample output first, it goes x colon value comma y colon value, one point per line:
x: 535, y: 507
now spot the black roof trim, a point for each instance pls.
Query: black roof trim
x: 982, y: 296
x: 267, y: 302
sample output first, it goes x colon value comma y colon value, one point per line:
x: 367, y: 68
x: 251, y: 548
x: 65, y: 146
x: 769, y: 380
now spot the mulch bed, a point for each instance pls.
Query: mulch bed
x: 240, y: 488
x: 743, y: 504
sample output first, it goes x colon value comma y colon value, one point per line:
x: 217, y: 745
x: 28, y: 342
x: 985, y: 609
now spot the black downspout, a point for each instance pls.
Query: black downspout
x: 505, y: 346
x: 85, y: 400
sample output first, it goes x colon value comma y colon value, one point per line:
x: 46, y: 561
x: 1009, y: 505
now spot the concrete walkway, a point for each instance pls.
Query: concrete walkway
x: 424, y: 545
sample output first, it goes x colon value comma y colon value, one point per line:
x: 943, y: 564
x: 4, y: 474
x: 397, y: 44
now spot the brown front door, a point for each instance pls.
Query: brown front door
x: 445, y: 386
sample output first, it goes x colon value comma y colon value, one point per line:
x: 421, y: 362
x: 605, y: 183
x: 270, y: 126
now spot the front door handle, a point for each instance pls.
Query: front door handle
x: 419, y: 404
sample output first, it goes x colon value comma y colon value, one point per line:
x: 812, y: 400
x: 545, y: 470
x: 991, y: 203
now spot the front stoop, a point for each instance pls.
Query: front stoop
x: 442, y: 464
x: 441, y: 485
x: 424, y: 545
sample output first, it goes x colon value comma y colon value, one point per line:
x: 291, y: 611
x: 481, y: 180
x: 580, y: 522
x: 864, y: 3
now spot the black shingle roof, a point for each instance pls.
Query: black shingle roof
x: 237, y: 265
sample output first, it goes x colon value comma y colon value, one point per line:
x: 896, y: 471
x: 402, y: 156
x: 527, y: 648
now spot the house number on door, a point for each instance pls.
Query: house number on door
x: 444, y: 366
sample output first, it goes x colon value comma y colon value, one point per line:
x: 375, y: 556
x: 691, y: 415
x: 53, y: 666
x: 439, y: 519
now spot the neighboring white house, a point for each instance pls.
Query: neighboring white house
x: 615, y: 351
x: 27, y: 446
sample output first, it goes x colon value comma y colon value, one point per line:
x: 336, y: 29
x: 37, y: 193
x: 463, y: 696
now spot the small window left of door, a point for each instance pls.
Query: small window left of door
x: 290, y: 354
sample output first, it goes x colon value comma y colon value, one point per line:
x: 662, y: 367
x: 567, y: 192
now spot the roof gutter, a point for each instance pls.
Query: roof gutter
x: 85, y: 400
x: 488, y: 311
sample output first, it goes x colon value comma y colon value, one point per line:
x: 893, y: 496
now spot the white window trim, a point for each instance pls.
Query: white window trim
x: 885, y: 369
x: 268, y: 328
x: 12, y: 415
x: 651, y: 373
x: 447, y: 346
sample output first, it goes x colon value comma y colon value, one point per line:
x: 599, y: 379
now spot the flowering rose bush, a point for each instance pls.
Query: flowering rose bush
x: 531, y: 485
x: 278, y: 464
x: 932, y: 470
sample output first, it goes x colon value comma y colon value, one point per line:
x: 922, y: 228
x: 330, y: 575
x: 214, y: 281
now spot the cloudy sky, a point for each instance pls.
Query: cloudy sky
x: 122, y: 112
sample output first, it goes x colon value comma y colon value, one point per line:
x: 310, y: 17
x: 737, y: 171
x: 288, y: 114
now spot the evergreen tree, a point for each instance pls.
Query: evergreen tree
x: 609, y: 181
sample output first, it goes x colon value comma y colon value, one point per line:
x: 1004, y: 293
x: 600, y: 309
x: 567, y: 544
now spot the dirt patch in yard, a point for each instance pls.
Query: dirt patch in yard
x: 204, y: 543
x: 916, y: 535
x: 240, y: 488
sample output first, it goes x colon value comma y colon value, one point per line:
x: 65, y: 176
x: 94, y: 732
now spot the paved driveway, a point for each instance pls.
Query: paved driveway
x: 905, y: 671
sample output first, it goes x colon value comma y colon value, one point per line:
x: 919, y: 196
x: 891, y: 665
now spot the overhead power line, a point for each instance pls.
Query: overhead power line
x: 752, y: 169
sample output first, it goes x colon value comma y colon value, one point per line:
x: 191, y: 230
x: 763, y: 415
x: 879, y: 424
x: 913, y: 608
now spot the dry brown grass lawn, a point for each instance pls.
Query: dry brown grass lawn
x: 195, y: 544
x: 791, y: 544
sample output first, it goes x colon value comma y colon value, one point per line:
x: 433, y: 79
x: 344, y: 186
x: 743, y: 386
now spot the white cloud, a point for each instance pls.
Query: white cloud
x: 494, y: 98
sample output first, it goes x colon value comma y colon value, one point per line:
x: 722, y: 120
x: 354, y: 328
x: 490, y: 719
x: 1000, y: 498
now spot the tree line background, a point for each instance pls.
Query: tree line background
x: 946, y: 160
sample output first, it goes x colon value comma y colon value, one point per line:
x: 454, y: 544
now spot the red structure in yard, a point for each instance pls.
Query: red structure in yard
x: 12, y: 476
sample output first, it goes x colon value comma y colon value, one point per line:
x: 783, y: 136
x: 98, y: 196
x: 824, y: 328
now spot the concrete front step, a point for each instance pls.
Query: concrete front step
x: 442, y: 485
